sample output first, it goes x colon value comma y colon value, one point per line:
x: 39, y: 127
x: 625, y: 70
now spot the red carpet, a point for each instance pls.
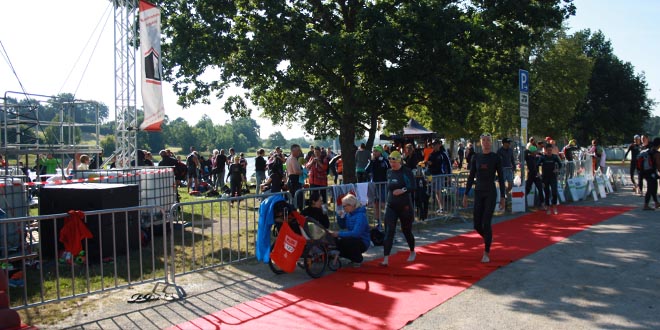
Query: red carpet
x: 373, y: 297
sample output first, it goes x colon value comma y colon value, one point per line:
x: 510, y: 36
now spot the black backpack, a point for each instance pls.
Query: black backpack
x: 377, y: 236
x: 190, y: 160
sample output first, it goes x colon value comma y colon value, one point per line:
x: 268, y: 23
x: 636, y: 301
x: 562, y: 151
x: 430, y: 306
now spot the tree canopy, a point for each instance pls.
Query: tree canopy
x: 616, y: 105
x: 345, y: 67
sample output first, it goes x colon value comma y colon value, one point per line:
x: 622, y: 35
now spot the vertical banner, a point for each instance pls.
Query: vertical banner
x: 152, y: 91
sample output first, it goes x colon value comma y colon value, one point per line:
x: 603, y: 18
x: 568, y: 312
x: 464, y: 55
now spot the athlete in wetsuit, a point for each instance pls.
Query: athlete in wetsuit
x: 400, y: 185
x: 550, y: 165
x: 634, y: 149
x: 483, y: 168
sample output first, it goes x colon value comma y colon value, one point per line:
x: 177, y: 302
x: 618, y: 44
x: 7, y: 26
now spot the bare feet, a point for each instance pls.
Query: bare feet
x: 412, y: 256
x: 485, y: 258
x: 385, y: 262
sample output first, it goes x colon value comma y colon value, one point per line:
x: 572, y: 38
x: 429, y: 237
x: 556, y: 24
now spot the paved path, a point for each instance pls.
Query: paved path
x: 606, y: 277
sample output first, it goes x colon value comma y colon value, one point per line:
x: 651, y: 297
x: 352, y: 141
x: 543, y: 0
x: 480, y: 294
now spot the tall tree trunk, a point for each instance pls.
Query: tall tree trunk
x: 373, y: 129
x: 347, y: 142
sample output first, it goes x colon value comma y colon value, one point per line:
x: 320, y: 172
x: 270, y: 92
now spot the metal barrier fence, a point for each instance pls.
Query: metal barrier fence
x: 574, y: 169
x: 125, y: 250
x: 372, y: 195
x: 446, y: 193
x: 436, y: 198
x: 215, y: 232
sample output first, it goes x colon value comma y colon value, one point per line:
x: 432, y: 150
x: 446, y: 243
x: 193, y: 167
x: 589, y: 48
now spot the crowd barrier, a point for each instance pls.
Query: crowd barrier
x: 134, y: 245
x: 126, y: 249
x: 436, y: 197
x: 215, y: 232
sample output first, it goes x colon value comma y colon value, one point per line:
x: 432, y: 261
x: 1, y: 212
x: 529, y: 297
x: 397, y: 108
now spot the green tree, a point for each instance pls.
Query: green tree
x: 560, y: 76
x: 275, y: 140
x: 652, y: 126
x: 248, y: 128
x: 203, y: 133
x: 63, y: 133
x: 181, y: 134
x: 616, y: 106
x: 108, y: 144
x: 345, y: 67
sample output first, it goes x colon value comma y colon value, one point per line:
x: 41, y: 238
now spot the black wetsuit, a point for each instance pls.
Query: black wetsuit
x: 569, y: 151
x: 651, y: 177
x: 399, y: 207
x: 640, y: 176
x: 483, y: 168
x: 531, y: 161
x: 634, y: 150
x: 235, y: 179
x: 550, y: 165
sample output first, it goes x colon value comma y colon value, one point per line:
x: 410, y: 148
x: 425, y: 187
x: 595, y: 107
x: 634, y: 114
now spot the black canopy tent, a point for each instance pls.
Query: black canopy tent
x: 413, y: 131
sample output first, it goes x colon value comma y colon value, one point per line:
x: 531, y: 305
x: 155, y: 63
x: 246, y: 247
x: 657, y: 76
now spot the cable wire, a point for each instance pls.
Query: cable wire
x: 106, y: 12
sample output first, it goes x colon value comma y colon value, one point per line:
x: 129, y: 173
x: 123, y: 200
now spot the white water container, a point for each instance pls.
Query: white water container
x: 13, y: 197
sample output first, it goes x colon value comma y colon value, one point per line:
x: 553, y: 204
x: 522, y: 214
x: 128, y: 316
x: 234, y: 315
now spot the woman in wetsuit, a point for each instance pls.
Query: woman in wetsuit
x: 400, y: 185
x: 483, y: 167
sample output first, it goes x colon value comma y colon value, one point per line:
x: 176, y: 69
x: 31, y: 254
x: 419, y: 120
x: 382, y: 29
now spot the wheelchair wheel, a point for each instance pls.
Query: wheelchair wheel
x: 315, y: 260
x: 334, y: 262
x: 272, y: 265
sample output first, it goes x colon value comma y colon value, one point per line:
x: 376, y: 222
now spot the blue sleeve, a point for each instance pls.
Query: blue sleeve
x: 361, y: 226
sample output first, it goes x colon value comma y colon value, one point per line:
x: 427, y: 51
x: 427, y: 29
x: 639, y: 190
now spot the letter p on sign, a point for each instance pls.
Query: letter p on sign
x: 523, y: 79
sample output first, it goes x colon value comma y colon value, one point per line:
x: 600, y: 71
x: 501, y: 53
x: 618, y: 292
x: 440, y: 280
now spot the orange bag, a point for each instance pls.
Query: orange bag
x: 288, y: 248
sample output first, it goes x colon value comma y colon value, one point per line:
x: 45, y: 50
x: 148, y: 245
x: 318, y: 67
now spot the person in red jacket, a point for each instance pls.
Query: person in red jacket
x: 318, y: 173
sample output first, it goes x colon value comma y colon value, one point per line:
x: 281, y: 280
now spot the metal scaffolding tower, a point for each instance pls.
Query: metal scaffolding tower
x: 125, y: 73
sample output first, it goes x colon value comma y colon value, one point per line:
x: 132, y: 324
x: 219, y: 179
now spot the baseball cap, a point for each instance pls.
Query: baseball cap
x: 395, y: 156
x: 637, y: 136
x: 378, y: 148
x: 436, y: 141
x: 547, y: 138
x: 506, y: 140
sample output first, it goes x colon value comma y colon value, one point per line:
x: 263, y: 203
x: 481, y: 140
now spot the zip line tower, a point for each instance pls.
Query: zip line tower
x: 125, y: 91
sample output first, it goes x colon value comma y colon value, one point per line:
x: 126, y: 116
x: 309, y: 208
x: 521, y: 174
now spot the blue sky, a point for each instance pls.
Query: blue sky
x: 44, y: 38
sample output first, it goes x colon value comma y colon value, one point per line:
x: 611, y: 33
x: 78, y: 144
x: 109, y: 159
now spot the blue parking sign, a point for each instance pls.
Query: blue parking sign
x: 523, y: 80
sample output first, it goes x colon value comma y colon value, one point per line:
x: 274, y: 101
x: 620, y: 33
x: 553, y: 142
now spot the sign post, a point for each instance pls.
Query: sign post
x: 523, y: 86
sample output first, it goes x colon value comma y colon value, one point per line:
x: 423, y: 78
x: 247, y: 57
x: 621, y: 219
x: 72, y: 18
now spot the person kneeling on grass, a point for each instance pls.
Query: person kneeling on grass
x: 354, y: 239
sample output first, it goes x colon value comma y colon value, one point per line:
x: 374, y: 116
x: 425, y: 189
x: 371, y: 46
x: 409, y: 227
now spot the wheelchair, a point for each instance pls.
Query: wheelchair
x: 320, y: 251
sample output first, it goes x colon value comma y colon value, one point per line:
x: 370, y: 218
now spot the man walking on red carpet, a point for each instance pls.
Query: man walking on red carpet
x: 483, y: 167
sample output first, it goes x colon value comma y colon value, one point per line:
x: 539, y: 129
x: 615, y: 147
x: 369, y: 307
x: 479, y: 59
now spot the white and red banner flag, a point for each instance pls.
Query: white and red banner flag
x: 152, y: 69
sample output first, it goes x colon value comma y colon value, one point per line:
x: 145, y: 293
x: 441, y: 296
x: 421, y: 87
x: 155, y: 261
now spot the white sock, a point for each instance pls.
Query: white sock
x: 412, y: 256
x: 386, y: 260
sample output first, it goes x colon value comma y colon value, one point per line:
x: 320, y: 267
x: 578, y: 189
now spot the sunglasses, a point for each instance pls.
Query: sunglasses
x: 394, y: 159
x: 485, y: 135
